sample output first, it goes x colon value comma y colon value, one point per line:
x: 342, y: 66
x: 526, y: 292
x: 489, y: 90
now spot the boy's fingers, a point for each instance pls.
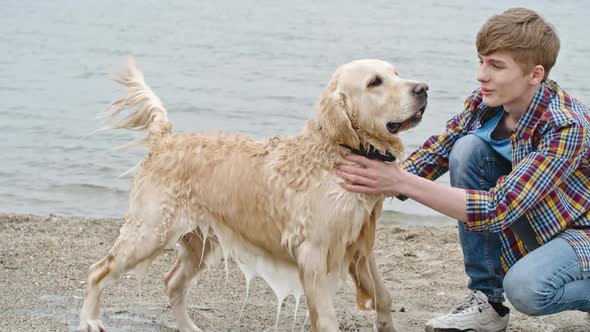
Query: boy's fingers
x: 352, y: 170
x: 355, y: 179
x: 356, y: 188
x: 358, y: 159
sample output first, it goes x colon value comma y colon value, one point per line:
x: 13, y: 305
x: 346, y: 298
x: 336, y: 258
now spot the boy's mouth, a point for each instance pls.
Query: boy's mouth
x: 485, y: 91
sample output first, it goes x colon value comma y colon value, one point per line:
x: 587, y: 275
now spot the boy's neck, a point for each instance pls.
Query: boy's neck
x: 516, y: 109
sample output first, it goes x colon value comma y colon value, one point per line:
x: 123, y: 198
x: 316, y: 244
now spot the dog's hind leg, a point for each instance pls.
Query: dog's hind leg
x: 194, y: 252
x: 371, y: 292
x: 137, y: 244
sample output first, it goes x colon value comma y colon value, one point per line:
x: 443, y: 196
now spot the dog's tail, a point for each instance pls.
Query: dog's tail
x: 146, y: 111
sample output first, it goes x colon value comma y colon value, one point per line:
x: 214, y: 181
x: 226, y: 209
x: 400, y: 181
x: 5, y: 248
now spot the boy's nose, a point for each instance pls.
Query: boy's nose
x: 482, y: 75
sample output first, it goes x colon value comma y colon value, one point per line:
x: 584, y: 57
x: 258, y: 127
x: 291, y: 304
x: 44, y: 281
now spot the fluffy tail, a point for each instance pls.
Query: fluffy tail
x: 146, y: 111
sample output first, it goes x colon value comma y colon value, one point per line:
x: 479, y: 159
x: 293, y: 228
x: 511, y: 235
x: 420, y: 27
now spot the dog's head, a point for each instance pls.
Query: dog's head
x: 367, y: 102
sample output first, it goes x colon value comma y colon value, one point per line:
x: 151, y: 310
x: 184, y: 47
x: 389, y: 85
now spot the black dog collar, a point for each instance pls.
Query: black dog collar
x: 371, y: 153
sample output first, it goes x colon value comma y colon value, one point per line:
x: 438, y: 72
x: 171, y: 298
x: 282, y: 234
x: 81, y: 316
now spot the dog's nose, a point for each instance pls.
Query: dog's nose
x: 420, y: 90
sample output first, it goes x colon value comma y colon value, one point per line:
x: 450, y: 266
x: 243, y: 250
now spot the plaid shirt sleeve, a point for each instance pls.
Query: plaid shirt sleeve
x: 539, y: 173
x: 432, y: 159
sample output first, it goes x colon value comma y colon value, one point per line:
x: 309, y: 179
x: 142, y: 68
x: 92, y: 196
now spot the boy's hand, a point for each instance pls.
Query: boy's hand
x: 370, y: 176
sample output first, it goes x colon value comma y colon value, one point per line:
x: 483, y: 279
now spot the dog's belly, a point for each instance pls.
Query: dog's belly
x: 282, y: 275
x: 264, y: 241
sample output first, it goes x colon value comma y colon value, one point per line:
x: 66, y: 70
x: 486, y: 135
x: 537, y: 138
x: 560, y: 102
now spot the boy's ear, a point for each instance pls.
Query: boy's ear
x: 537, y: 74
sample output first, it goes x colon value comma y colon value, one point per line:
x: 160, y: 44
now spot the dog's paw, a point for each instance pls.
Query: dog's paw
x: 384, y: 327
x: 91, y: 326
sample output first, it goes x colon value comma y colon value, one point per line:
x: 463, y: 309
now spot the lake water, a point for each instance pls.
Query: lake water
x: 252, y: 66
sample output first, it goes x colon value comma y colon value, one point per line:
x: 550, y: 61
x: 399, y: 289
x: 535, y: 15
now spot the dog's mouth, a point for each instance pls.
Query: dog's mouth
x: 396, y: 127
x: 422, y: 107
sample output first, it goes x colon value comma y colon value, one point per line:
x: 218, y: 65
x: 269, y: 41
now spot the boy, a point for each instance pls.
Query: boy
x: 520, y: 174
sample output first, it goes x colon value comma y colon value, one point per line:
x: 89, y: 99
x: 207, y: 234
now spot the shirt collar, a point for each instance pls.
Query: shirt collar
x: 536, y: 109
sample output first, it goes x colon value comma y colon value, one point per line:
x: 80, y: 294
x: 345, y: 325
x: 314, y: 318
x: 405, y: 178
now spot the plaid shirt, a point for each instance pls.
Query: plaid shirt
x: 550, y: 178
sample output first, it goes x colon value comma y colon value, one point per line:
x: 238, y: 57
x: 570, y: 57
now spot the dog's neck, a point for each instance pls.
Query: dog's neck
x: 365, y: 149
x: 371, y: 152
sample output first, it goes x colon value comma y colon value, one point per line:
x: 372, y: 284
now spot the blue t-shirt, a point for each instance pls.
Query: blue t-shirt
x: 485, y: 133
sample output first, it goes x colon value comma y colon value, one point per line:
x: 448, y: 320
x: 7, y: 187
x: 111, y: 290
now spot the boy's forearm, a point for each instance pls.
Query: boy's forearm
x: 444, y: 199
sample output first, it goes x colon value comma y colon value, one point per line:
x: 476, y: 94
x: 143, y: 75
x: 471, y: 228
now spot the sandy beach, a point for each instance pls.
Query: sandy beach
x: 44, y: 259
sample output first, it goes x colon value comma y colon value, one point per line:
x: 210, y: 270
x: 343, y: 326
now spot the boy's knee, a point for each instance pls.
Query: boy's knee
x: 524, y: 294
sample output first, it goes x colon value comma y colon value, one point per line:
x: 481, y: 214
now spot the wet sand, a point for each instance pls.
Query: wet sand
x: 44, y: 260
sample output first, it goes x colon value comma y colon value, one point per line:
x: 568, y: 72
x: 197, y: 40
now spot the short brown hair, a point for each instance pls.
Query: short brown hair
x: 532, y: 40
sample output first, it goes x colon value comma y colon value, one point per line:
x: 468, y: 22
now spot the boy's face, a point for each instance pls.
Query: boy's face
x: 503, y: 81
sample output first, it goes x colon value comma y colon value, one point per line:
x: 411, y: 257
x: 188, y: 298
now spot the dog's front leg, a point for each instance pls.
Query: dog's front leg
x: 318, y: 294
x: 371, y: 291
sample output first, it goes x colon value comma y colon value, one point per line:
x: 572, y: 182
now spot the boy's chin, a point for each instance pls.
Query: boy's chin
x: 491, y: 102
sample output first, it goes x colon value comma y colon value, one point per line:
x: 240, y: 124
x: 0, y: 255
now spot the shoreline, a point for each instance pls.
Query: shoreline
x: 44, y: 260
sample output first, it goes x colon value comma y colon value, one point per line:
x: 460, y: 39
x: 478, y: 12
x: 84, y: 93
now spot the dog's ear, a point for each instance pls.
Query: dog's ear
x: 334, y: 113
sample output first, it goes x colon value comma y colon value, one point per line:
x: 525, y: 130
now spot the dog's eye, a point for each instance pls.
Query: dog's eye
x: 376, y: 81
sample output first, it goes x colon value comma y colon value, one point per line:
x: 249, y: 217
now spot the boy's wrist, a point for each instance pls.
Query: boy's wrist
x: 403, y: 186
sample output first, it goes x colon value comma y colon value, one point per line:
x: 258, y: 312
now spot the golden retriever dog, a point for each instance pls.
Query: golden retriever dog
x: 275, y: 206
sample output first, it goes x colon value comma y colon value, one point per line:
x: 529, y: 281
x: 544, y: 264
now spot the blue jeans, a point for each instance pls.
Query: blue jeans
x: 547, y: 280
x: 473, y: 164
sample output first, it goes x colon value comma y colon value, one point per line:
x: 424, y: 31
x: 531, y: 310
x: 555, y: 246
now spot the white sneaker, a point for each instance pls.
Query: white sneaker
x: 474, y: 313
